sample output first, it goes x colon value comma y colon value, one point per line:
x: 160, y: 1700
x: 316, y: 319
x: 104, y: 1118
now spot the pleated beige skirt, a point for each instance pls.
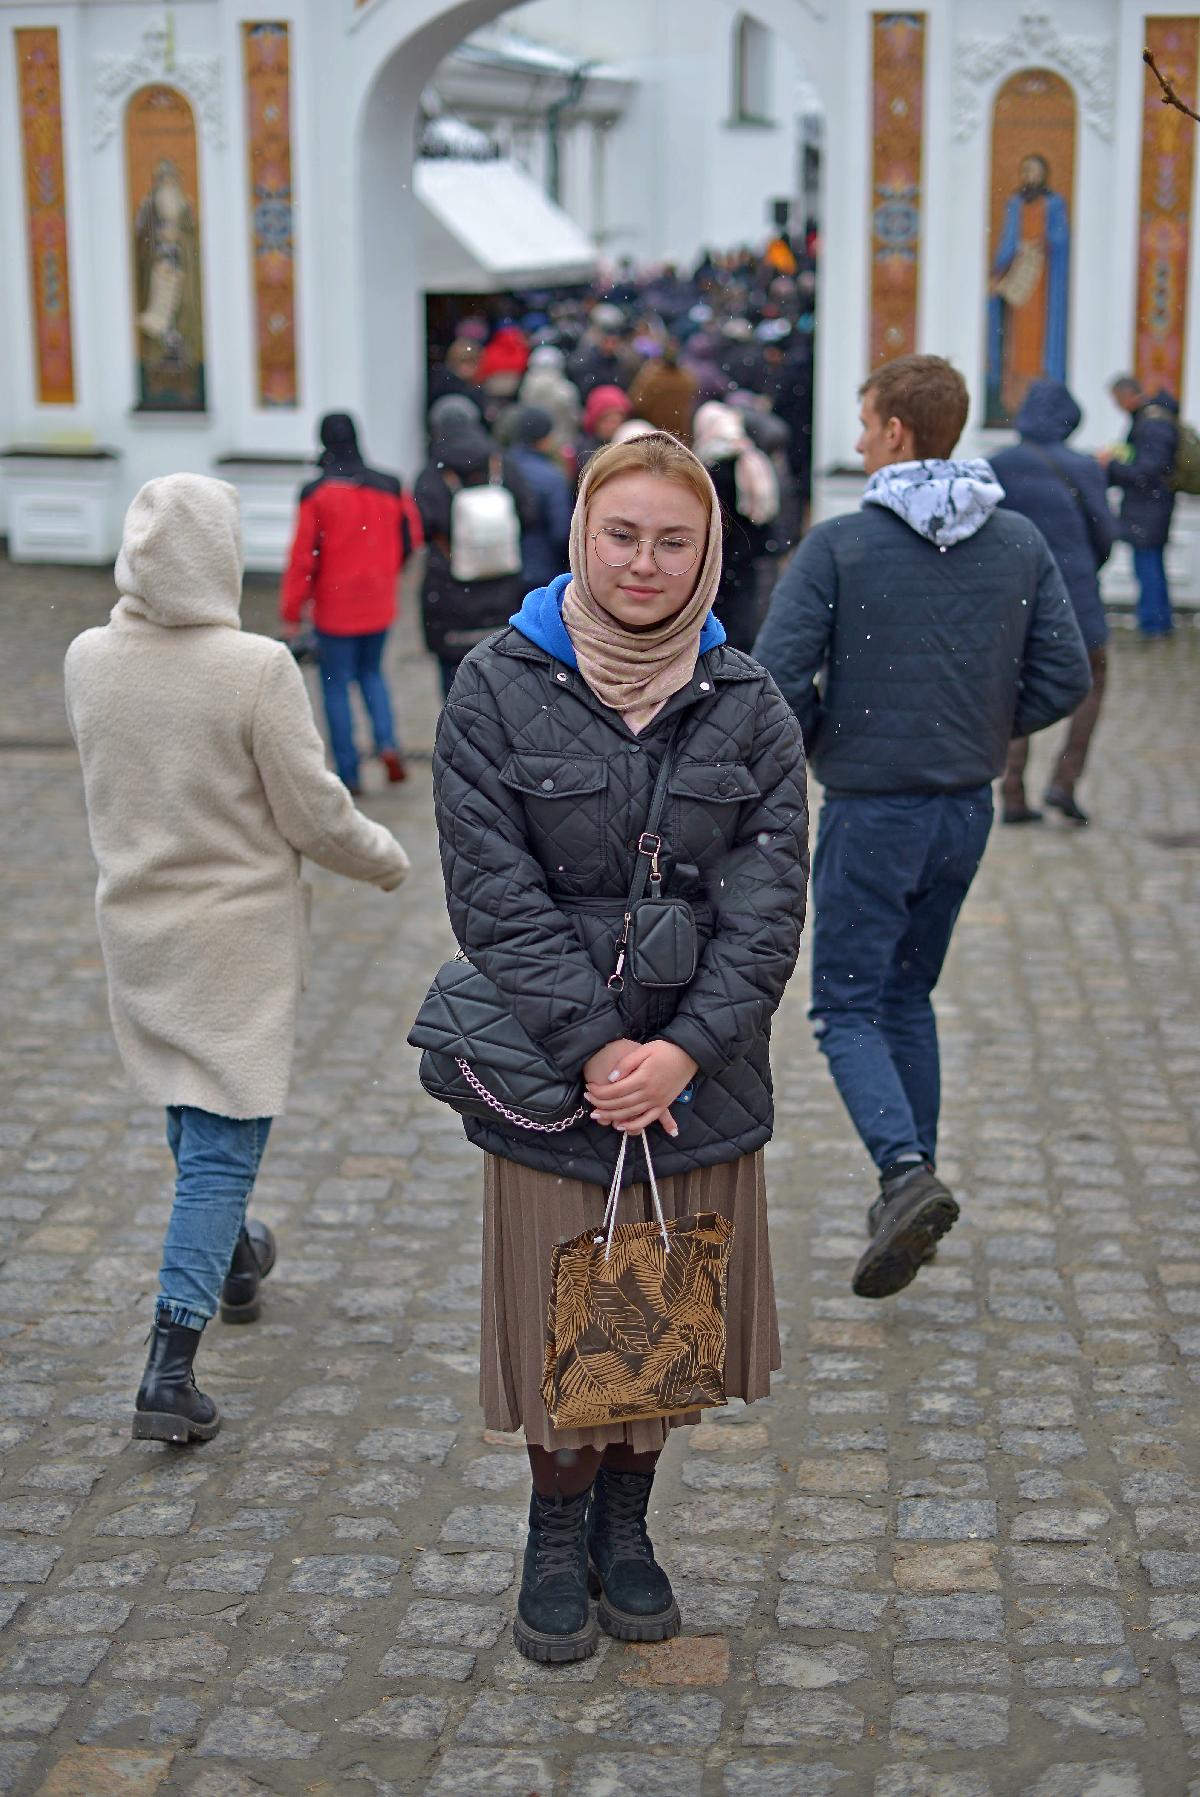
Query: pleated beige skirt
x: 525, y: 1215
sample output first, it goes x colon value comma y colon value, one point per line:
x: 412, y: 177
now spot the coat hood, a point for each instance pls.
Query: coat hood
x: 944, y: 502
x: 540, y: 619
x: 1164, y: 401
x: 339, y: 443
x: 181, y: 553
x: 1049, y: 413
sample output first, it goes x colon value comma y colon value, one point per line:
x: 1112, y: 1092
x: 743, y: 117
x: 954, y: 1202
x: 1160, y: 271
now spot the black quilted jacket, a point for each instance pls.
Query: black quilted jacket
x: 540, y: 793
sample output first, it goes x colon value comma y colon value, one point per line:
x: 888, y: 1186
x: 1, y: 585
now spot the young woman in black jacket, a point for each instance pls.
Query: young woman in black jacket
x: 547, y: 754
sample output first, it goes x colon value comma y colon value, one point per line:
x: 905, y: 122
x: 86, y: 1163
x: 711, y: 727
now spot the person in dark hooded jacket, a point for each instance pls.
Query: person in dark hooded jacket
x: 1064, y: 494
x: 1143, y: 473
x: 355, y: 528
x: 458, y: 614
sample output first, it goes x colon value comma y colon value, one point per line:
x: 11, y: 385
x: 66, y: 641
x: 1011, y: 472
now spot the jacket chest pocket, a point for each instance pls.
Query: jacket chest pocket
x: 566, y: 810
x: 705, y: 800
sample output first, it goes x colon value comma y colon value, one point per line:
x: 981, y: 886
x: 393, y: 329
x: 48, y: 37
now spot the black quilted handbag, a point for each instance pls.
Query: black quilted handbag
x: 481, y: 1062
x: 470, y: 1036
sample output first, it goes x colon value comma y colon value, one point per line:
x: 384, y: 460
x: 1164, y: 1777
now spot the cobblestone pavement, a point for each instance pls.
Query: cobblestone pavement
x: 957, y: 1553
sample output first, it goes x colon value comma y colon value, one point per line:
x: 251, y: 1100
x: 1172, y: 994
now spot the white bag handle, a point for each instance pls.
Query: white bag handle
x: 609, y: 1223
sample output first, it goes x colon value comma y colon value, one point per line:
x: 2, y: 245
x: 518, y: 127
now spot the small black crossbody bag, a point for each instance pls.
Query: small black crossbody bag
x: 476, y: 1056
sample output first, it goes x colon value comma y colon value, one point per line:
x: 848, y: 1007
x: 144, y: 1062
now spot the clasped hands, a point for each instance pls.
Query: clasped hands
x: 630, y: 1085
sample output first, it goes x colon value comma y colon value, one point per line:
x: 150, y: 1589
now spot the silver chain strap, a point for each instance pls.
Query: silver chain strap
x: 543, y: 1129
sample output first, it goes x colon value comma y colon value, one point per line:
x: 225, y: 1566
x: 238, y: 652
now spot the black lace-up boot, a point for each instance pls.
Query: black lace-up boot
x: 253, y: 1258
x: 554, y: 1622
x: 169, y: 1407
x: 636, y: 1600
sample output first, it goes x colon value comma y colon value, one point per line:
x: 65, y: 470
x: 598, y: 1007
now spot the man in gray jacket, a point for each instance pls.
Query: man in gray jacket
x: 913, y: 639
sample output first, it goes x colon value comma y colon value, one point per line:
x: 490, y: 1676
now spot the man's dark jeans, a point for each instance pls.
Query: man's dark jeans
x: 890, y: 874
x: 1154, y: 614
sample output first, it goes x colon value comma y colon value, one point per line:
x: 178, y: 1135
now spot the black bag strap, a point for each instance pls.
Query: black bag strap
x: 650, y: 843
x: 649, y: 848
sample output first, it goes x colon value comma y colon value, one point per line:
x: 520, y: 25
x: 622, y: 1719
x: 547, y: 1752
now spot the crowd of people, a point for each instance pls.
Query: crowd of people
x: 621, y: 803
x: 721, y: 359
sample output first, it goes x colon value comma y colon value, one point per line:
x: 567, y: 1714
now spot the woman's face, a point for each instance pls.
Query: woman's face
x: 607, y: 423
x: 656, y: 510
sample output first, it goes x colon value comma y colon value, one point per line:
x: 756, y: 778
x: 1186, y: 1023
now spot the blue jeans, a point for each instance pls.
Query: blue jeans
x: 1154, y: 602
x: 216, y: 1161
x: 343, y: 660
x: 890, y: 874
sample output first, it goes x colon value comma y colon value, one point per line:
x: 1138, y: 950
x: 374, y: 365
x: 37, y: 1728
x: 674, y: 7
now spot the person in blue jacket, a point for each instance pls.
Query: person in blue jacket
x: 543, y: 542
x: 1064, y: 494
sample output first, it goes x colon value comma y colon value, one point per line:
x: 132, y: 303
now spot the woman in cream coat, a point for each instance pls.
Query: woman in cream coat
x: 206, y: 782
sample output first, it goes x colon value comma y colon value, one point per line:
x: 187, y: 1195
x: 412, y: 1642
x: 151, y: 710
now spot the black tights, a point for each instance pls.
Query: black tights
x: 571, y: 1471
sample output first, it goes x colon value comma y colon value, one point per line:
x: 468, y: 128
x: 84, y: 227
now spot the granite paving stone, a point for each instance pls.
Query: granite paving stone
x: 956, y: 1553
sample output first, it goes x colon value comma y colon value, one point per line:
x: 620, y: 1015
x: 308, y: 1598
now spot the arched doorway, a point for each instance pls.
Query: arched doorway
x: 405, y: 52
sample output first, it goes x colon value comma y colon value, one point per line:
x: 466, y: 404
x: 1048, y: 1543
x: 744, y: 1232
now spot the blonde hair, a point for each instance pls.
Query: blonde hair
x: 655, y: 452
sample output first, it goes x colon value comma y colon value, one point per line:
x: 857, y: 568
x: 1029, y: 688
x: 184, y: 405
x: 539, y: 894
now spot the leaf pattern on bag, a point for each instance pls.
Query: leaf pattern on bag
x: 641, y: 1335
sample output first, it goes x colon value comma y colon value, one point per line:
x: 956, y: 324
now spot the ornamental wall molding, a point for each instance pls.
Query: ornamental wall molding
x: 1036, y: 42
x: 114, y: 78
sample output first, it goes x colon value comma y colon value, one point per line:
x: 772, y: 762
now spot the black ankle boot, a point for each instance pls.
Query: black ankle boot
x: 253, y: 1258
x: 908, y: 1219
x: 554, y: 1622
x: 169, y: 1407
x: 636, y: 1600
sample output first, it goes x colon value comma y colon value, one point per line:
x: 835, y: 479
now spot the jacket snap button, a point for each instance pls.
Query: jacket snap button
x: 547, y: 786
x: 704, y: 686
x: 561, y: 677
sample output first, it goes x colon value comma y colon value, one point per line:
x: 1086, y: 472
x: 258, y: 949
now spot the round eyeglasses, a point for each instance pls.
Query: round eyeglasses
x: 617, y: 548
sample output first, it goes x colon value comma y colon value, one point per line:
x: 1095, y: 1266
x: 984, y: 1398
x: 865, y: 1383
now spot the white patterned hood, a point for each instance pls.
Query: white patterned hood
x: 944, y: 502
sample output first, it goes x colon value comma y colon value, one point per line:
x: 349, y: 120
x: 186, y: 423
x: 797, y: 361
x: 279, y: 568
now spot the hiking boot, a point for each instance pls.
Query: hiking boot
x: 554, y: 1622
x: 913, y: 1211
x: 396, y: 770
x: 168, y: 1406
x: 253, y: 1258
x: 636, y: 1600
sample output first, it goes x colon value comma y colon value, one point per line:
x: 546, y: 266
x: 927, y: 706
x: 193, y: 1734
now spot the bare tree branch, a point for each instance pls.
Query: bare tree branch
x: 1169, y: 96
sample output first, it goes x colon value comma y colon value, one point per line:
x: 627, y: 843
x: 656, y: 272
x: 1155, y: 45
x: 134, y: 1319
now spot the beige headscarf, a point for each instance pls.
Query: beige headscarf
x: 636, y: 671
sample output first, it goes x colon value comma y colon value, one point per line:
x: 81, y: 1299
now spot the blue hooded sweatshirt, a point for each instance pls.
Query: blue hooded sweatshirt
x: 540, y: 619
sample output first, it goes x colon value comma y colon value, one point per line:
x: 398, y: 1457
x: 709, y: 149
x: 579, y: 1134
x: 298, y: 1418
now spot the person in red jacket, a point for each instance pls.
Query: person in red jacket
x: 355, y: 529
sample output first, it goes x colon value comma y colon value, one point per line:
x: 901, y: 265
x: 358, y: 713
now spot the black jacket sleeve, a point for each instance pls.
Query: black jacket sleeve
x: 793, y: 643
x: 1055, y: 673
x: 1155, y: 441
x: 760, y: 891
x: 496, y: 893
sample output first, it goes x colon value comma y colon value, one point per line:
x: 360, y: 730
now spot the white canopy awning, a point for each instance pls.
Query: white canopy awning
x: 486, y: 226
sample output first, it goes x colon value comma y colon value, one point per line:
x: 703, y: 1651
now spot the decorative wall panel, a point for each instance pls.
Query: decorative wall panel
x: 898, y: 84
x: 1029, y: 238
x: 1165, y: 209
x: 164, y: 226
x: 272, y: 234
x: 40, y: 99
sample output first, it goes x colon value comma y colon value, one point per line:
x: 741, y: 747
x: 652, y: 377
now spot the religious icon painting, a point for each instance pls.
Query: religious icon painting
x: 897, y: 87
x: 164, y: 223
x: 1029, y: 243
